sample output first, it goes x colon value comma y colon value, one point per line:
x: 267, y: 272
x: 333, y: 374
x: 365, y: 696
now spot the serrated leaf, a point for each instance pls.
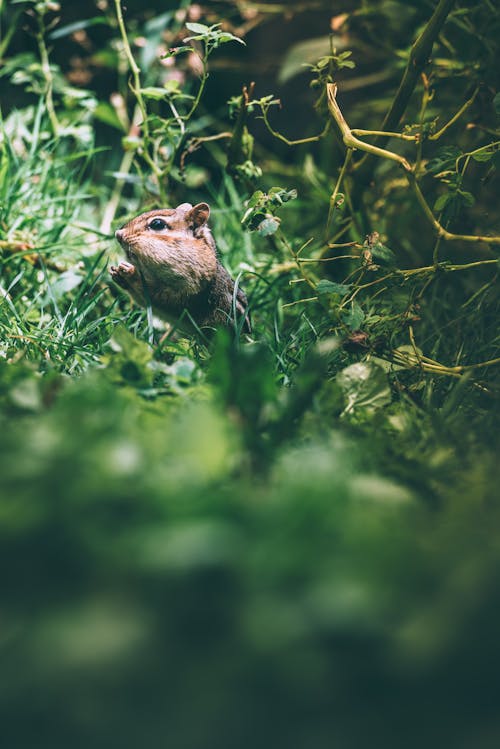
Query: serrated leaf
x: 279, y: 195
x: 380, y: 252
x: 255, y: 199
x: 444, y: 159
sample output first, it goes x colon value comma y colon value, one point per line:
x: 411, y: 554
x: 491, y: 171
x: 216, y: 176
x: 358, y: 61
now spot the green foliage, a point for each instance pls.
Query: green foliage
x: 260, y: 210
x: 211, y: 36
x: 287, y: 538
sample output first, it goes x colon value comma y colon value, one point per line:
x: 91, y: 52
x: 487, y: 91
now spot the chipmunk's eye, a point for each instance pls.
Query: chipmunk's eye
x: 157, y: 224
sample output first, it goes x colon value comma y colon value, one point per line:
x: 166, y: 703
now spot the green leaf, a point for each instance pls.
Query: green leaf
x: 445, y: 158
x: 269, y: 226
x: 467, y: 198
x: 330, y: 287
x: 26, y: 394
x: 354, y: 317
x: 154, y: 92
x: 129, y: 360
x: 227, y: 37
x: 442, y: 201
x: 380, y: 252
x: 279, y: 195
x: 486, y: 153
x: 104, y: 112
x: 255, y: 199
x: 198, y: 28
x: 304, y: 53
x: 365, y: 388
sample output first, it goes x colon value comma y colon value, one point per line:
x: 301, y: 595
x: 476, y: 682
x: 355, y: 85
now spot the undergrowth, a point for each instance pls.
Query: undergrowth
x: 298, y: 525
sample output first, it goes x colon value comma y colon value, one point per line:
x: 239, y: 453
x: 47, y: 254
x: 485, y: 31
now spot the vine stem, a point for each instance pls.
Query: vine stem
x: 134, y: 68
x: 401, y: 136
x: 355, y: 143
x: 204, y: 78
x: 135, y: 87
x: 284, y: 139
x: 297, y: 260
x: 456, y: 116
x: 336, y: 189
x: 418, y: 58
x: 419, y: 55
x: 350, y: 140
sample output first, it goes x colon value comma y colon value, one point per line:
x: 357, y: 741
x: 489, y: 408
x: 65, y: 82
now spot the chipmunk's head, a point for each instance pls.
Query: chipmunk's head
x: 170, y: 224
x: 175, y: 242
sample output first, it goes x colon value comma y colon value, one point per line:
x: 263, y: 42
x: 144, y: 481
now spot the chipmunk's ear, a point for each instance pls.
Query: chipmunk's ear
x: 199, y: 214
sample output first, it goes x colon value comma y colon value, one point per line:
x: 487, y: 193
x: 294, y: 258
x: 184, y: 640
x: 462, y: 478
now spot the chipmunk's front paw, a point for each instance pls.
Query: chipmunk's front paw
x: 123, y: 274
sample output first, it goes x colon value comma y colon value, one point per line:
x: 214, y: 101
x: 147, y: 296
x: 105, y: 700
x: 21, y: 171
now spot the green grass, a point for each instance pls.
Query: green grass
x: 288, y: 539
x: 191, y: 529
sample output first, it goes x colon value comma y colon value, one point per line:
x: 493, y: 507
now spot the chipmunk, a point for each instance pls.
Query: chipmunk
x: 174, y: 267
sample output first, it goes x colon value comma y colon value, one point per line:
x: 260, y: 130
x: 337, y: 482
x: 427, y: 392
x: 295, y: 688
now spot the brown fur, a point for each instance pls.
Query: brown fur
x: 176, y: 268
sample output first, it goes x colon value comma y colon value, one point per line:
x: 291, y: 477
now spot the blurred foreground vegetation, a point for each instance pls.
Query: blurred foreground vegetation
x: 289, y: 539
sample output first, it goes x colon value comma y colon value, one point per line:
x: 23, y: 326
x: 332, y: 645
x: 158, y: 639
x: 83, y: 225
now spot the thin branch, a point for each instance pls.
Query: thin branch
x: 295, y: 255
x: 439, y: 228
x: 352, y: 143
x: 136, y: 87
x: 424, y: 362
x: 134, y: 68
x: 350, y: 140
x: 300, y: 301
x: 336, y: 189
x: 444, y: 266
x: 298, y: 142
x: 201, y: 87
x: 461, y: 111
x: 419, y: 56
x: 402, y: 136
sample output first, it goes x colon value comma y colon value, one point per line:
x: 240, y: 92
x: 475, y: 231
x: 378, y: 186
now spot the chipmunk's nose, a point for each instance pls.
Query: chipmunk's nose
x: 119, y: 234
